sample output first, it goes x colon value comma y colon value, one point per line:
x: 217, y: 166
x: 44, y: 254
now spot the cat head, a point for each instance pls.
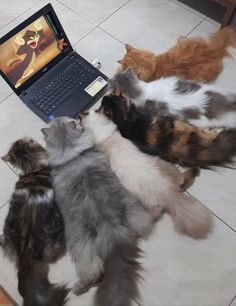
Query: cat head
x: 25, y: 155
x: 65, y: 139
x: 98, y: 125
x: 142, y: 62
x: 115, y: 108
x: 125, y: 83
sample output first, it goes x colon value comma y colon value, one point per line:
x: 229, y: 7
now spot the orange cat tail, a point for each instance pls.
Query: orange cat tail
x: 223, y: 39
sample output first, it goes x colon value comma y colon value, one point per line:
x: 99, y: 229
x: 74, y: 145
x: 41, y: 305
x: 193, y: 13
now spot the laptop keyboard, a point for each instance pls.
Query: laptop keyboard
x: 74, y: 76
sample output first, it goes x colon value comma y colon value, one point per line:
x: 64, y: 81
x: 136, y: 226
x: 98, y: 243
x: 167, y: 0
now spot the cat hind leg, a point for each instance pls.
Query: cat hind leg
x: 189, y: 177
x: 89, y: 268
x: 141, y: 221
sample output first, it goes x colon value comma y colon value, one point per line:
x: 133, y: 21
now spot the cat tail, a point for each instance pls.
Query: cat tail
x: 190, y: 217
x: 220, y: 152
x: 34, y: 286
x: 119, y: 286
x: 221, y: 40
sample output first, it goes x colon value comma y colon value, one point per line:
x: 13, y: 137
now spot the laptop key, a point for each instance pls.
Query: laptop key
x: 74, y: 76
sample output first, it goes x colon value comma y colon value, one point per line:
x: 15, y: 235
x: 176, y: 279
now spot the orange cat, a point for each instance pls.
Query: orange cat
x: 191, y: 58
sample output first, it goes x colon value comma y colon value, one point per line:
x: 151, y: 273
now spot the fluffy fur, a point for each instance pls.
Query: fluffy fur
x: 102, y: 219
x: 157, y: 183
x: 172, y: 140
x: 191, y: 58
x: 199, y: 104
x: 34, y: 230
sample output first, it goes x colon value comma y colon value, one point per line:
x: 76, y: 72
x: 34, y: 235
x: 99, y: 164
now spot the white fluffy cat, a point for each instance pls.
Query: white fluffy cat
x: 202, y: 105
x: 156, y: 182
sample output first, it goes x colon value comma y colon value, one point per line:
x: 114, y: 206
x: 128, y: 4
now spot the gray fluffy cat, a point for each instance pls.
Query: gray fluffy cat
x: 102, y: 219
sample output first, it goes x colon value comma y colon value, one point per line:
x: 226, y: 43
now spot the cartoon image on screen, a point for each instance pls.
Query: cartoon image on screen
x: 29, y: 50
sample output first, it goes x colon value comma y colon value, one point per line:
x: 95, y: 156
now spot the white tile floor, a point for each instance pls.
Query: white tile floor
x: 179, y: 271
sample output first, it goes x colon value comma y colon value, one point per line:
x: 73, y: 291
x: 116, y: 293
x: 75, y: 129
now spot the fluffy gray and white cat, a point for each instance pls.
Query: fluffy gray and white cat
x: 102, y: 219
x: 156, y: 182
x: 202, y: 105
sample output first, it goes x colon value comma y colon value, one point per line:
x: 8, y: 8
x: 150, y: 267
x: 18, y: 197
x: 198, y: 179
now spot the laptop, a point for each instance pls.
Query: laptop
x: 40, y: 65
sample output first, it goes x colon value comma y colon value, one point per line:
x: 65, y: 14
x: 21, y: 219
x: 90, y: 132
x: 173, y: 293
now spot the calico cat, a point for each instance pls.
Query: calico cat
x: 103, y: 221
x: 33, y: 234
x: 156, y: 182
x: 192, y: 58
x: 170, y: 139
x: 198, y: 104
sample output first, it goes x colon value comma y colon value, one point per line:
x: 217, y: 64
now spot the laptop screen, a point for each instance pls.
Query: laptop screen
x: 30, y: 50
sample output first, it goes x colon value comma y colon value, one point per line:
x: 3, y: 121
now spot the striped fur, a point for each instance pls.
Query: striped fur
x: 34, y: 229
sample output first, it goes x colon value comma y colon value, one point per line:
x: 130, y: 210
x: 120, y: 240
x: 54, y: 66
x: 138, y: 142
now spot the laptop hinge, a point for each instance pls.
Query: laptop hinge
x: 71, y: 54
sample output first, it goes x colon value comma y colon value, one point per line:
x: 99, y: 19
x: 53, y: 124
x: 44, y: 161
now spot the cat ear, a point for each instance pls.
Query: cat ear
x: 108, y: 113
x: 128, y: 48
x: 129, y: 71
x: 120, y: 62
x: 45, y: 131
x: 83, y: 114
x: 30, y: 141
x: 71, y: 124
x: 6, y: 158
x: 100, y: 109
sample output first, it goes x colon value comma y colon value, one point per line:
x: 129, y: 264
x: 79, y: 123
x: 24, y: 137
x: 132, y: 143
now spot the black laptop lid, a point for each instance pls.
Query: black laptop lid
x: 32, y: 48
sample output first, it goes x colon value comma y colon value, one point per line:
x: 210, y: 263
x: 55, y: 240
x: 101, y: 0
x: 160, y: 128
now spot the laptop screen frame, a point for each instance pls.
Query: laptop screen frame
x: 47, y: 9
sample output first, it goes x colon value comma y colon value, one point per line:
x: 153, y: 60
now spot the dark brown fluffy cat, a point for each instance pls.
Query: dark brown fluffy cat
x: 172, y: 140
x: 33, y: 234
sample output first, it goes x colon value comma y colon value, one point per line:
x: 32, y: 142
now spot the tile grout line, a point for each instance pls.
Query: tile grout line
x: 6, y: 97
x: 234, y: 298
x: 196, y: 26
x: 111, y: 35
x: 11, y: 168
x: 229, y: 226
x: 89, y: 21
x: 95, y: 26
x: 188, y: 9
x: 114, y: 12
x: 29, y: 8
x: 84, y: 36
x: 85, y: 18
x: 5, y: 203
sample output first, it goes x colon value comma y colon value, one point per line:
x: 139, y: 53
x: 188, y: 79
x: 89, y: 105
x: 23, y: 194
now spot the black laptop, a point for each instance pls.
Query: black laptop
x: 40, y: 65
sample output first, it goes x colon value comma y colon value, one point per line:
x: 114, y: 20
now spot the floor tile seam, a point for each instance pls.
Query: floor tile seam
x: 75, y: 43
x: 117, y: 39
x: 6, y: 97
x: 190, y: 10
x: 212, y: 212
x: 196, y: 26
x: 11, y: 168
x: 233, y: 299
x: 77, y: 13
x: 127, y: 2
x: 28, y: 9
x: 5, y: 203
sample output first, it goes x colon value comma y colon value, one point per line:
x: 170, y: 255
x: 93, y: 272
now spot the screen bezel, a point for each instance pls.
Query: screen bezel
x: 47, y: 9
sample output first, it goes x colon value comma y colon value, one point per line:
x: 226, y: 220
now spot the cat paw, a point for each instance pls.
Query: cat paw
x: 189, y: 177
x: 81, y: 288
x: 2, y: 240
